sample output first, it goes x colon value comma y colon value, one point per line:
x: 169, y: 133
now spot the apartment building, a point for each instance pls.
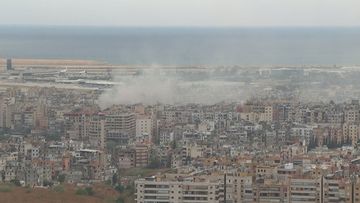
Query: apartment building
x: 352, y: 115
x: 351, y: 132
x: 97, y: 131
x: 151, y: 190
x: 120, y: 124
x: 144, y: 126
x: 76, y: 124
x: 304, y: 190
x: 273, y: 192
x: 142, y: 155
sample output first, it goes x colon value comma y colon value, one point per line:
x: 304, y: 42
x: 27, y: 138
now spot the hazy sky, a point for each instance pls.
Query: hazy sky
x: 182, y: 12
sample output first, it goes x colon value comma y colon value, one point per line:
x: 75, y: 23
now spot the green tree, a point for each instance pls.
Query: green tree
x: 61, y: 178
x: 119, y: 187
x: 47, y: 183
x: 120, y: 200
x: 16, y: 182
x: 89, y: 191
x: 85, y: 191
x: 114, y: 179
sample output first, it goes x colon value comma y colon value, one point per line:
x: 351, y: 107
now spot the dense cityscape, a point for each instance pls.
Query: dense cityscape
x: 180, y: 101
x: 271, y: 143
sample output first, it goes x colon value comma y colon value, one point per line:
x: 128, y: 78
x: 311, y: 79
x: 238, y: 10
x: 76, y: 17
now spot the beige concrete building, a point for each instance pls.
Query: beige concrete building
x: 304, y: 190
x: 267, y: 115
x: 142, y: 155
x: 351, y: 131
x: 352, y: 115
x: 97, y: 132
x: 144, y: 126
x: 153, y: 189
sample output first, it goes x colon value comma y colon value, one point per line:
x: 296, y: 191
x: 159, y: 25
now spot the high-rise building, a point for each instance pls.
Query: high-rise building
x: 96, y: 131
x: 8, y: 64
x: 76, y: 124
x: 119, y: 125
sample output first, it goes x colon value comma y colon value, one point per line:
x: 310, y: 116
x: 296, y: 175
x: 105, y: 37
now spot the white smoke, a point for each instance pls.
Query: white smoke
x: 158, y: 86
x: 214, y: 85
x: 150, y: 87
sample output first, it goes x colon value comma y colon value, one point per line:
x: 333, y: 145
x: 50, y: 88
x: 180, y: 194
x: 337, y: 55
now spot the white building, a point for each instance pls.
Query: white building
x: 144, y: 126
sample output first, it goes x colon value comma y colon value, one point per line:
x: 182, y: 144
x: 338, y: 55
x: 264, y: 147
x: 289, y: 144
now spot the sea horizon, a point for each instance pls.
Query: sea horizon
x: 248, y: 46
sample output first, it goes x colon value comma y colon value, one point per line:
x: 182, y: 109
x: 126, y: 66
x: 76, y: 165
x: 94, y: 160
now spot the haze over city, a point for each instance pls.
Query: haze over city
x: 180, y: 101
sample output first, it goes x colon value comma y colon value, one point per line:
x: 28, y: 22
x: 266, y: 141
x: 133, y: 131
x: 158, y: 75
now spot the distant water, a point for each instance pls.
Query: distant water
x: 184, y: 46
